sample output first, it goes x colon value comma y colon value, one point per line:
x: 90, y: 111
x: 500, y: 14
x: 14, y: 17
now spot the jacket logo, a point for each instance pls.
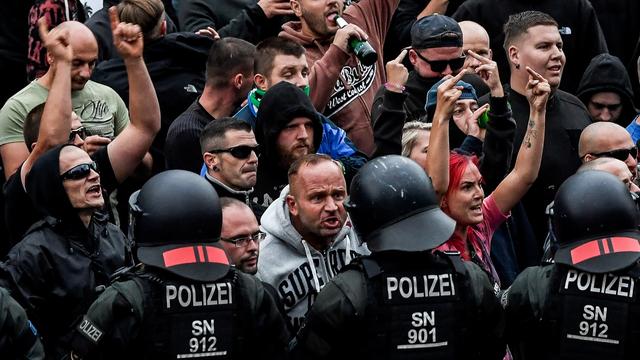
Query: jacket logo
x: 90, y: 330
x: 359, y: 78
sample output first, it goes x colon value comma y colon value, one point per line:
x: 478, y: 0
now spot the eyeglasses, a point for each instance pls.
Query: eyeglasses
x: 620, y: 154
x: 81, y: 132
x: 440, y: 65
x: 239, y: 152
x: 610, y: 107
x: 244, y: 240
x: 80, y: 171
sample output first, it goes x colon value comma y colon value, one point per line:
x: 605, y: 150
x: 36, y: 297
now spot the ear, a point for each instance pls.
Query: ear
x: 413, y: 58
x: 33, y: 146
x: 443, y: 203
x: 211, y: 160
x: 237, y: 81
x: 163, y: 28
x: 261, y: 81
x: 588, y: 158
x: 296, y: 7
x: 291, y: 203
x: 49, y: 59
x: 514, y: 55
x: 490, y: 54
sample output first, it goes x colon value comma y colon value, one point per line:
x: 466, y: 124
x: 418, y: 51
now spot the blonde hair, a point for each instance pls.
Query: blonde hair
x: 410, y: 133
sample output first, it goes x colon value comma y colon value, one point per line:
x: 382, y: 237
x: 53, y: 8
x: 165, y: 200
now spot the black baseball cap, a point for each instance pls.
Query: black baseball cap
x: 435, y: 31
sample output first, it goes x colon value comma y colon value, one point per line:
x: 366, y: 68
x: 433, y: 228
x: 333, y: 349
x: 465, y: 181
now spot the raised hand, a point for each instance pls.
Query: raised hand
x: 209, y: 32
x: 127, y: 38
x: 448, y: 94
x: 397, y: 74
x: 56, y: 41
x: 488, y: 72
x: 473, y: 128
x: 273, y: 8
x: 538, y: 91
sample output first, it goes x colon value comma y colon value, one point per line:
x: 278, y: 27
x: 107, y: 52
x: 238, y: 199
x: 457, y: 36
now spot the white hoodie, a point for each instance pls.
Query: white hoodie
x: 285, y: 260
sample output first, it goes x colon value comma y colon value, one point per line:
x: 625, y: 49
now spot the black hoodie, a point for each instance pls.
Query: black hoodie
x: 281, y: 104
x: 607, y: 73
x: 60, y: 266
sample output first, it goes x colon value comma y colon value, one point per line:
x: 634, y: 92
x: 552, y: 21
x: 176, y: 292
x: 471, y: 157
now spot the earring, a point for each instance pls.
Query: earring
x: 214, y: 168
x: 517, y: 66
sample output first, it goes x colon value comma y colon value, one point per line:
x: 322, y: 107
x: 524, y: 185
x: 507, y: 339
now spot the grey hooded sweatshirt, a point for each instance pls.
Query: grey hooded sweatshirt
x: 293, y: 267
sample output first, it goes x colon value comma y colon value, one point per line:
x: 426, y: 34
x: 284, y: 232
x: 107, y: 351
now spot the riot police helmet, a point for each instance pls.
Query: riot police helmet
x: 175, y: 223
x: 393, y: 206
x: 595, y: 221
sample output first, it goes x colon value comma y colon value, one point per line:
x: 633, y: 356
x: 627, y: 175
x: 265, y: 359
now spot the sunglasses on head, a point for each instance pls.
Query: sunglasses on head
x: 238, y: 152
x: 610, y: 107
x: 81, y: 132
x: 620, y: 154
x: 441, y: 65
x: 79, y: 171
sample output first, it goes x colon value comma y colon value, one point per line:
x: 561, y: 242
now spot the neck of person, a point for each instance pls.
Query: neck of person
x: 47, y: 79
x: 317, y: 242
x: 461, y: 232
x: 85, y: 216
x: 218, y: 103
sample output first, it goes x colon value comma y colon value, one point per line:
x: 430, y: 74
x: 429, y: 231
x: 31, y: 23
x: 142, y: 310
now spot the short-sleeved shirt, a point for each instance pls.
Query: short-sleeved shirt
x: 101, y: 110
x: 20, y: 212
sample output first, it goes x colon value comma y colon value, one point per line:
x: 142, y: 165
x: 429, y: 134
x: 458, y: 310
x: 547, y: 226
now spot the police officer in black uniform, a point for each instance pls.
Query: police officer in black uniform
x: 182, y: 300
x: 585, y: 305
x: 402, y: 301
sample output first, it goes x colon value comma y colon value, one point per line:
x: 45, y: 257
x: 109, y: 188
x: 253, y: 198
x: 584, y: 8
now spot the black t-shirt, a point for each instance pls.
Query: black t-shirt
x: 20, y: 212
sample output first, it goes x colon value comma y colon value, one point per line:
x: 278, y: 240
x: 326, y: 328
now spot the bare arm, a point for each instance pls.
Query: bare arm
x: 438, y: 154
x: 128, y: 149
x: 525, y: 171
x: 55, y: 123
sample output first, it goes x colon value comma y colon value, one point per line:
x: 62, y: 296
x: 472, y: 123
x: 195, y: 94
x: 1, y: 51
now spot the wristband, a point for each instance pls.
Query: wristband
x: 394, y: 87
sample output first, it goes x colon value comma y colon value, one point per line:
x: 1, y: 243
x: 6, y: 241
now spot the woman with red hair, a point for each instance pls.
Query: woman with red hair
x: 458, y: 181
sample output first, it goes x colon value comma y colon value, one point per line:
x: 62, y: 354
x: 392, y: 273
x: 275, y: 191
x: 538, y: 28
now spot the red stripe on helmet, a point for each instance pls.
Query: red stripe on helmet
x: 625, y: 244
x: 179, y: 256
x: 216, y: 255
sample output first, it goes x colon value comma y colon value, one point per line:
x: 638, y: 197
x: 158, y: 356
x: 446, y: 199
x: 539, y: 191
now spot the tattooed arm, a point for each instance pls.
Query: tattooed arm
x: 525, y: 171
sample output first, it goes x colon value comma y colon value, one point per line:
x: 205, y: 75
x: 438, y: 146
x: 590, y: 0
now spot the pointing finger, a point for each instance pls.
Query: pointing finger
x: 478, y: 57
x: 43, y: 28
x: 535, y: 75
x: 114, y: 18
x: 401, y: 57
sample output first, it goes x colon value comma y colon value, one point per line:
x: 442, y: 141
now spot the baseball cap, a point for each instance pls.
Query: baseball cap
x: 434, y: 31
x: 468, y: 93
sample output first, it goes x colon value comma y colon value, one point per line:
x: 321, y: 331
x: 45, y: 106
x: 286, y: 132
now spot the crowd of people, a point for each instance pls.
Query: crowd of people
x: 236, y: 180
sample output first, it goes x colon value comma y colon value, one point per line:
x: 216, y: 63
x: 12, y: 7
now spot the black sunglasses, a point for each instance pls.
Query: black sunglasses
x: 81, y: 132
x: 611, y: 107
x: 239, y: 152
x: 440, y: 65
x: 80, y: 171
x: 620, y: 154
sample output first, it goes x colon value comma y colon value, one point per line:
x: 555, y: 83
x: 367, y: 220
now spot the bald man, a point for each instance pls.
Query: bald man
x: 614, y: 167
x: 606, y: 139
x: 102, y: 112
x: 476, y: 39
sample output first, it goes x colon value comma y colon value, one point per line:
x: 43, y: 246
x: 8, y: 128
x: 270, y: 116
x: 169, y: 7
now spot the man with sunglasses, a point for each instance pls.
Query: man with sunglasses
x: 436, y: 51
x: 67, y: 258
x: 607, y: 139
x: 230, y: 154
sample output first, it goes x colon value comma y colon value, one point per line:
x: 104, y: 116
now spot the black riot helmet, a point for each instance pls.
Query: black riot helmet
x: 175, y: 223
x: 393, y: 206
x: 595, y: 221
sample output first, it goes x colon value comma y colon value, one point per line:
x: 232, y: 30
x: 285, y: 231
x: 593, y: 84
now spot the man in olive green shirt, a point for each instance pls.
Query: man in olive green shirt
x: 100, y: 109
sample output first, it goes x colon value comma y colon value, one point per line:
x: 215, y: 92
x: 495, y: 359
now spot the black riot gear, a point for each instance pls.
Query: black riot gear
x: 393, y: 206
x: 173, y: 209
x: 593, y: 210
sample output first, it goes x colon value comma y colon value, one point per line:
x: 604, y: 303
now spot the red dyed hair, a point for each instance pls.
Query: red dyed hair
x: 458, y: 164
